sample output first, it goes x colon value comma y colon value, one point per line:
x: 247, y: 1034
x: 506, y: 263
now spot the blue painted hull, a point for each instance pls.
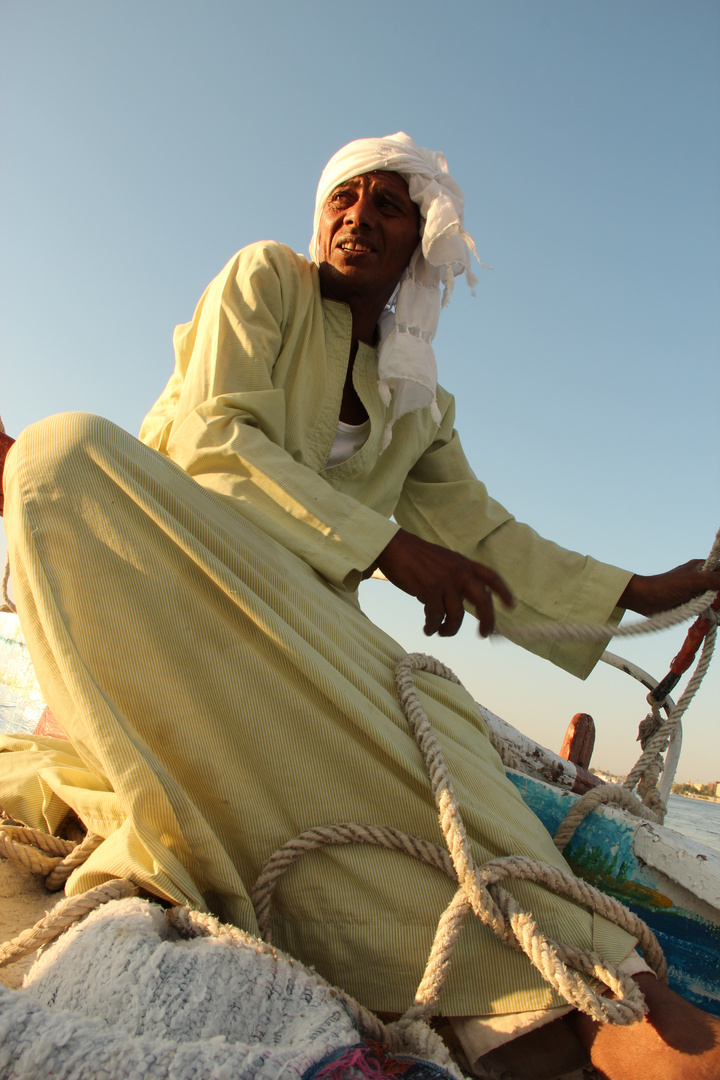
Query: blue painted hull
x: 604, y: 852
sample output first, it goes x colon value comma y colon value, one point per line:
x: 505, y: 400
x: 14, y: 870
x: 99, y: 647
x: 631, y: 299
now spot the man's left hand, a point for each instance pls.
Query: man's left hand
x: 648, y: 595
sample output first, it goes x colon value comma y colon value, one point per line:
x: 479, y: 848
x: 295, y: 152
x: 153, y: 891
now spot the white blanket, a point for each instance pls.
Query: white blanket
x: 121, y: 995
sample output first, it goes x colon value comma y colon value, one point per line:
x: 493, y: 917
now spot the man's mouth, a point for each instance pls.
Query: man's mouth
x: 355, y: 245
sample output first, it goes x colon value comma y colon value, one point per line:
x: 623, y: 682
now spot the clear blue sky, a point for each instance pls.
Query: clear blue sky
x: 144, y: 142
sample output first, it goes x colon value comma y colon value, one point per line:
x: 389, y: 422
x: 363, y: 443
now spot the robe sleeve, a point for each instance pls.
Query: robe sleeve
x: 222, y: 420
x: 444, y: 502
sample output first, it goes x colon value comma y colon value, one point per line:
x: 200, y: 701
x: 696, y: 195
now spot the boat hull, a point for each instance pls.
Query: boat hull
x: 669, y: 881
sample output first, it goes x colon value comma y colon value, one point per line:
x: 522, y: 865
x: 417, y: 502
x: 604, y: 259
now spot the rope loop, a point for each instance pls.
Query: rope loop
x: 62, y: 917
x: 499, y: 910
x: 41, y: 853
x: 604, y: 795
x: 345, y: 833
x: 564, y: 967
x: 657, y: 743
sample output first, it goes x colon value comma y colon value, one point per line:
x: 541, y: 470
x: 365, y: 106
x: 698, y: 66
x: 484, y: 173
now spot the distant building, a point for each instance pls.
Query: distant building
x: 717, y: 789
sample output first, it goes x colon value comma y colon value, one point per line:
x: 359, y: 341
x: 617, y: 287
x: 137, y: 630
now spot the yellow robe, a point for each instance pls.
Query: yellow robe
x: 193, y: 623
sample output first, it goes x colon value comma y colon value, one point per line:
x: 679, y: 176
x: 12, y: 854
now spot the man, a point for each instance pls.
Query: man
x: 191, y: 612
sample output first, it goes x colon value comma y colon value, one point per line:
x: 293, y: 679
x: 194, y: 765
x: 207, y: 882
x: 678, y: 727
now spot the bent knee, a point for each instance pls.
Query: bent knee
x: 49, y: 444
x: 55, y: 456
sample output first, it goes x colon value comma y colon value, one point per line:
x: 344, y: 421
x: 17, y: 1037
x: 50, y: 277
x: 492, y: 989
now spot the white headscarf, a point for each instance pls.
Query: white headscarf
x: 406, y: 361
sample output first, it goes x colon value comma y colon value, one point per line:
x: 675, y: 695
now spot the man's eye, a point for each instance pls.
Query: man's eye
x: 389, y: 203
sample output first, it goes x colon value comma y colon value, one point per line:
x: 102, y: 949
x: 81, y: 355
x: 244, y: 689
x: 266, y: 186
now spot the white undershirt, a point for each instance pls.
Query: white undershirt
x: 349, y: 438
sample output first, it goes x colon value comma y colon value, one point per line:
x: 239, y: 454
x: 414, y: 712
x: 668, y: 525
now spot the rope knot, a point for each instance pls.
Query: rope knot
x: 564, y: 967
x: 651, y: 724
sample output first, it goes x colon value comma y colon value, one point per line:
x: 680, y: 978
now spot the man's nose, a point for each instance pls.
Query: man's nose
x: 362, y: 211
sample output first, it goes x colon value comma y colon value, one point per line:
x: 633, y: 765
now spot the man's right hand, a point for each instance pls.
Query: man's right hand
x: 442, y: 580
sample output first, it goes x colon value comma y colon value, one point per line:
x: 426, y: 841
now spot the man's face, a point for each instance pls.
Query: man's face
x: 368, y: 231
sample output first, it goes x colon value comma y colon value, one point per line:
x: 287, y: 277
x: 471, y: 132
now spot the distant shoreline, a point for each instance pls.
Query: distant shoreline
x: 612, y: 778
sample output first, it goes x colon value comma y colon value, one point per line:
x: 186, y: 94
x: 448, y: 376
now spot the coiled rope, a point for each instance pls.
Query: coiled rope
x: 562, y: 966
x: 62, y: 917
x: 41, y: 853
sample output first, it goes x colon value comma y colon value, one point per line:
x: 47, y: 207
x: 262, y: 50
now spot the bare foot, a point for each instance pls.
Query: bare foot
x: 675, y: 1041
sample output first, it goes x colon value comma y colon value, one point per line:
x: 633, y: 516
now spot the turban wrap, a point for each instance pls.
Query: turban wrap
x: 406, y: 361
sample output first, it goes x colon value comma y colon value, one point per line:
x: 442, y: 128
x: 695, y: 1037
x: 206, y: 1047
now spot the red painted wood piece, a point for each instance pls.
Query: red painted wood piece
x: 683, y: 660
x: 584, y: 780
x: 579, y: 740
x: 5, y: 444
x: 693, y: 641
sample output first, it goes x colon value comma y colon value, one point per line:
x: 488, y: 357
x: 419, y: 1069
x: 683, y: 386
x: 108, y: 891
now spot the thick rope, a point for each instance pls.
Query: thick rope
x: 56, y: 880
x: 658, y: 742
x: 41, y: 853
x: 25, y: 854
x: 62, y: 917
x: 646, y: 771
x: 346, y: 833
x: 605, y: 795
x: 52, y: 845
x: 498, y: 909
x: 562, y: 966
x: 594, y: 632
